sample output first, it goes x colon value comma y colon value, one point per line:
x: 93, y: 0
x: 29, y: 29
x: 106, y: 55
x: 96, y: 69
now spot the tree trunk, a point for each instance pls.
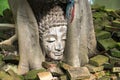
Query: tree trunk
x: 81, y: 42
x: 28, y: 37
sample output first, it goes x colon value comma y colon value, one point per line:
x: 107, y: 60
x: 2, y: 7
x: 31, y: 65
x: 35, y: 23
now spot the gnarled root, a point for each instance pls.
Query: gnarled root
x: 10, y: 40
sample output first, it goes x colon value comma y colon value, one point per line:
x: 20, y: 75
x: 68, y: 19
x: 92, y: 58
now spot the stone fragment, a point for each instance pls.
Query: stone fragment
x: 98, y: 60
x: 1, y: 57
x: 63, y: 77
x: 113, y: 77
x: 11, y: 59
x: 31, y: 75
x: 114, y: 60
x: 45, y: 76
x: 92, y: 77
x: 107, y: 44
x: 118, y: 34
x: 56, y: 71
x: 111, y: 29
x: 119, y: 75
x: 2, y: 63
x: 48, y: 64
x: 5, y: 76
x: 78, y: 73
x: 116, y: 69
x: 116, y: 23
x: 53, y: 68
x: 103, y: 35
x: 10, y: 67
x: 14, y: 75
x: 115, y: 52
x: 92, y: 68
x: 118, y: 45
x: 105, y: 78
x: 9, y: 48
x: 108, y: 66
x: 99, y: 74
x: 65, y: 66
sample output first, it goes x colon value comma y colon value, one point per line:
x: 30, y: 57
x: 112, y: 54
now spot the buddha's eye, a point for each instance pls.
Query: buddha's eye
x: 51, y: 40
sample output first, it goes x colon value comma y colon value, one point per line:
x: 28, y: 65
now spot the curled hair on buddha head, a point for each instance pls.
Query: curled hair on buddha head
x: 54, y: 18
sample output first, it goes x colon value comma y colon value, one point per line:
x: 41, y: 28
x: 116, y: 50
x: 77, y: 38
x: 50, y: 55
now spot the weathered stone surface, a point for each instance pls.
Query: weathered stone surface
x: 110, y: 28
x: 114, y: 60
x: 45, y: 76
x: 48, y: 64
x: 113, y: 77
x: 14, y: 75
x: 78, y: 73
x: 105, y: 78
x: 92, y: 77
x: 103, y: 35
x: 119, y: 75
x: 115, y: 52
x: 11, y: 59
x: 1, y: 56
x: 118, y: 34
x: 118, y: 44
x: 99, y: 74
x: 116, y: 69
x: 92, y: 68
x: 10, y: 67
x: 56, y: 71
x: 5, y: 76
x: 116, y: 23
x: 98, y: 60
x: 65, y: 66
x: 31, y: 75
x: 9, y: 48
x: 63, y: 77
x: 108, y: 66
x: 2, y: 63
x: 53, y: 68
x: 107, y: 44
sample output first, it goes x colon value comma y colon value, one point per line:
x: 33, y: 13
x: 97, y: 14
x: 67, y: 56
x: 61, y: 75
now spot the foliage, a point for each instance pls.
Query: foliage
x: 3, y: 5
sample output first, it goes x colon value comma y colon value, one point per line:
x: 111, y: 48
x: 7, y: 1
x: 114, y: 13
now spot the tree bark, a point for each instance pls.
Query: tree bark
x: 28, y: 37
x: 81, y: 42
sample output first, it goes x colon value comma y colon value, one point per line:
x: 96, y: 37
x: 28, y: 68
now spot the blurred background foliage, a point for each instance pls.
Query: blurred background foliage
x: 109, y: 4
x: 3, y: 5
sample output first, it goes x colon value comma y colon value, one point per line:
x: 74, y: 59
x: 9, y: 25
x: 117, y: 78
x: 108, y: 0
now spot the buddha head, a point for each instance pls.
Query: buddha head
x: 52, y: 29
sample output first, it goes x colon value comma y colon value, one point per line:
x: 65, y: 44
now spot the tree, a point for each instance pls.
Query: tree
x: 80, y: 42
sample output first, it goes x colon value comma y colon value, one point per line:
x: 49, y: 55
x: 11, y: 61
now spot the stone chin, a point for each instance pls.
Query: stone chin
x: 56, y: 56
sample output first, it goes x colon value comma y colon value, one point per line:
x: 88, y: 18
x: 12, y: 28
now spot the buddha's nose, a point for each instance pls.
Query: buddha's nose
x: 59, y: 46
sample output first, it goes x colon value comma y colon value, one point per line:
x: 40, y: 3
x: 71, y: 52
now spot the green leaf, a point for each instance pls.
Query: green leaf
x: 3, y: 5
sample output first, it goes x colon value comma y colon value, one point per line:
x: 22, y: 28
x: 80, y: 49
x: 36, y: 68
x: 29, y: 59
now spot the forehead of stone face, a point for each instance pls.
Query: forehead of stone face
x: 58, y: 31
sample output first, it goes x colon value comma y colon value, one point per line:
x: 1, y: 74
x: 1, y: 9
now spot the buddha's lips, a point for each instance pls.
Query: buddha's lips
x: 58, y: 53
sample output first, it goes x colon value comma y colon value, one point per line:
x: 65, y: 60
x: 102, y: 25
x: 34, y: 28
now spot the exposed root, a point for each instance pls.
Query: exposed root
x: 6, y: 26
x: 10, y: 40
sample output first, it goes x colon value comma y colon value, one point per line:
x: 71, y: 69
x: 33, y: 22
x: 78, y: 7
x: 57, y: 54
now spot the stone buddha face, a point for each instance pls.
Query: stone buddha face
x: 52, y: 30
x: 54, y: 42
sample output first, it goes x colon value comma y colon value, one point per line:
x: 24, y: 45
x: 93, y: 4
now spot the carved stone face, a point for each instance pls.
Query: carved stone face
x: 54, y: 42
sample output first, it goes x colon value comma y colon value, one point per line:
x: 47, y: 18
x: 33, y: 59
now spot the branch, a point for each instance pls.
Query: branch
x: 10, y: 40
x: 6, y: 26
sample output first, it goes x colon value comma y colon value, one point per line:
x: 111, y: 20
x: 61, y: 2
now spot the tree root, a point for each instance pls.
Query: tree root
x: 7, y: 26
x: 10, y: 40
